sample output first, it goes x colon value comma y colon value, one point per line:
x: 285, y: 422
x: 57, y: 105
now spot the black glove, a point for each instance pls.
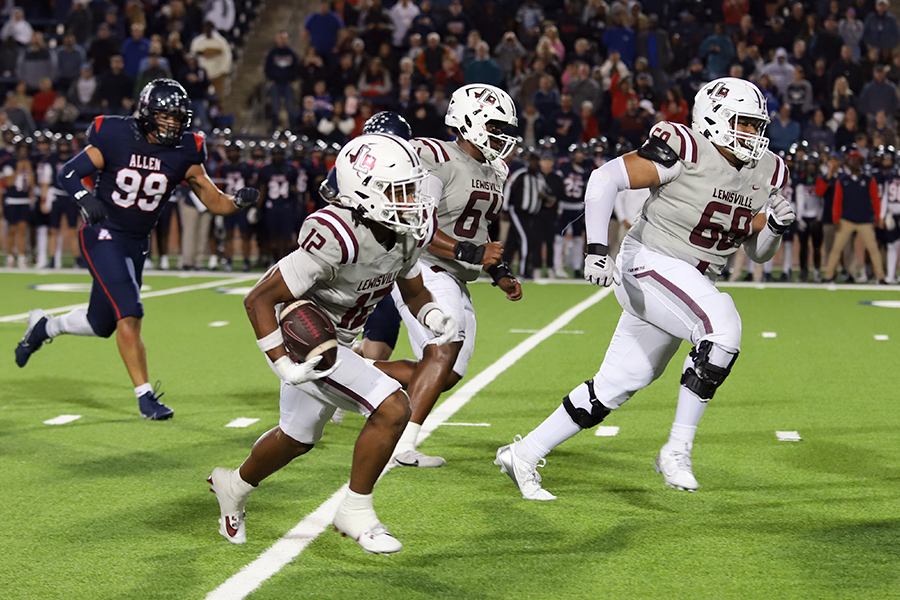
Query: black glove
x: 92, y: 209
x: 246, y: 197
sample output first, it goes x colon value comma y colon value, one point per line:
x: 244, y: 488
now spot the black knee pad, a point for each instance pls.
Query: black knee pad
x: 581, y: 416
x: 704, y: 378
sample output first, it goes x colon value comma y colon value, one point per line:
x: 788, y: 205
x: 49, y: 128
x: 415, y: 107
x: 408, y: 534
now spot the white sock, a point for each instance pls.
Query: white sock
x: 892, y: 250
x: 58, y: 251
x: 559, y: 245
x: 687, y: 414
x: 239, y: 485
x: 142, y: 389
x: 42, y: 242
x: 74, y: 323
x: 767, y: 266
x: 408, y: 439
x: 555, y: 429
x: 787, y: 261
x: 358, y: 512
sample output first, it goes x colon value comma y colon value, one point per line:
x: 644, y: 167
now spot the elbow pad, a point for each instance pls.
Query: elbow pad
x: 71, y: 174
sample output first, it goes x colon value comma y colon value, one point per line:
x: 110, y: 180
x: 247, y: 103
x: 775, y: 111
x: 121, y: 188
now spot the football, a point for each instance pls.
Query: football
x: 307, y: 333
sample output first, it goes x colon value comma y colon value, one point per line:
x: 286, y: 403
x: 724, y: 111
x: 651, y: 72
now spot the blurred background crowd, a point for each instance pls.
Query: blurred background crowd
x: 589, y: 77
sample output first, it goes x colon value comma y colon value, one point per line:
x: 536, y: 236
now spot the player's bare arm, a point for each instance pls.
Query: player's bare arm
x: 218, y: 202
x: 260, y: 304
x: 421, y: 303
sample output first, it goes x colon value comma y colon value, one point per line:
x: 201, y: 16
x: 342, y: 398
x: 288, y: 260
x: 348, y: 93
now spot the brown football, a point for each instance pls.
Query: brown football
x: 307, y: 333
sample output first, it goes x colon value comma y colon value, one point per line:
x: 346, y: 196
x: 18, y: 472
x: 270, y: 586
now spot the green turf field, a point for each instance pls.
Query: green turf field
x: 111, y: 506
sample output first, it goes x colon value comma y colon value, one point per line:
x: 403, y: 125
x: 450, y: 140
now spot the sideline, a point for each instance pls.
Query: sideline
x: 286, y: 549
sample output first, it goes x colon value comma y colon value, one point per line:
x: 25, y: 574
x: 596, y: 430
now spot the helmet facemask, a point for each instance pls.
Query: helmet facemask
x: 404, y: 207
x: 747, y: 147
x: 169, y: 134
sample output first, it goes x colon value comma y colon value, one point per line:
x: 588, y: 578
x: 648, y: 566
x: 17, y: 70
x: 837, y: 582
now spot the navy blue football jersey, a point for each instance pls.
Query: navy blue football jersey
x: 575, y: 178
x: 278, y: 180
x: 138, y: 177
x: 20, y: 191
x: 235, y: 177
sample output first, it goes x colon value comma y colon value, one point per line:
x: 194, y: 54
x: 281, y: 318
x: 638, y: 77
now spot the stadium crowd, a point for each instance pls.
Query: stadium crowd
x: 589, y: 78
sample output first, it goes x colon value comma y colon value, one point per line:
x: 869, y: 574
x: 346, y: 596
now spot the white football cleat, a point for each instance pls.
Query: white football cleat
x: 231, y: 504
x: 374, y: 539
x: 524, y: 475
x: 674, y: 464
x: 414, y: 458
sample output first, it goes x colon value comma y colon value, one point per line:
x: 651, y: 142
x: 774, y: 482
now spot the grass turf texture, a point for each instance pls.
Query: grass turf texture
x: 112, y: 506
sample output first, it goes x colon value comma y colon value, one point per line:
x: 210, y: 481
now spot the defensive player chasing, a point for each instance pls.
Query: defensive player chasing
x: 707, y: 185
x: 468, y: 177
x: 141, y: 161
x: 350, y: 255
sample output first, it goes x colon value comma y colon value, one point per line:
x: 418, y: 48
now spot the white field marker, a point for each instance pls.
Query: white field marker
x: 242, y: 422
x: 881, y: 338
x: 62, y: 419
x: 769, y: 334
x: 606, y: 431
x: 572, y: 331
x: 218, y: 324
x: 468, y: 424
x: 788, y: 436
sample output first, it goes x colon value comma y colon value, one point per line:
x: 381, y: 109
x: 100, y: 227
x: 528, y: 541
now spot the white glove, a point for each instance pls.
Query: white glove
x: 889, y: 222
x: 780, y: 211
x: 601, y: 270
x: 442, y: 325
x: 297, y: 373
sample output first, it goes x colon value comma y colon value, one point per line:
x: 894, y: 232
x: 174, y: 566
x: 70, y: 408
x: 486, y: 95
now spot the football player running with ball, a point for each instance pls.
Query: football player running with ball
x: 708, y: 187
x: 350, y: 255
x: 140, y: 162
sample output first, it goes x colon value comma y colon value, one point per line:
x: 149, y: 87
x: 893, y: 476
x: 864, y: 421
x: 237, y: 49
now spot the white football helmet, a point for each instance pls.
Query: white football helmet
x: 718, y: 106
x: 473, y: 107
x: 381, y: 177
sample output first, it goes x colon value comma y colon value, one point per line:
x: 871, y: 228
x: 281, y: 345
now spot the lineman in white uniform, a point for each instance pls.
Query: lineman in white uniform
x: 708, y: 185
x: 349, y: 258
x: 467, y: 176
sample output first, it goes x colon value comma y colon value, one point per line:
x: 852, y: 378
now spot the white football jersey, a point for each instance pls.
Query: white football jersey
x: 705, y: 213
x: 342, y: 268
x: 471, y: 199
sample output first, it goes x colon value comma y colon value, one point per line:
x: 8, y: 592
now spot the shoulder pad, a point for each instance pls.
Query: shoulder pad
x: 780, y: 173
x: 341, y: 247
x: 656, y: 150
x: 430, y: 151
x: 679, y: 138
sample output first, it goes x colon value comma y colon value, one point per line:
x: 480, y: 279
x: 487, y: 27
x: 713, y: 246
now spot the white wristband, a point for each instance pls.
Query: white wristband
x: 429, y: 306
x: 271, y: 341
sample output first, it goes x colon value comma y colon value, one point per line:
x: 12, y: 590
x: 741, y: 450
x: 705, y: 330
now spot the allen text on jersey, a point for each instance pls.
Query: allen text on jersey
x: 732, y: 197
x: 149, y: 163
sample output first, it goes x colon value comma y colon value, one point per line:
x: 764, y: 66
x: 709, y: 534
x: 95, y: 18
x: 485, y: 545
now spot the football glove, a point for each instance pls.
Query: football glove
x: 297, y: 373
x: 599, y: 268
x: 442, y: 325
x: 780, y: 214
x: 92, y: 209
x: 246, y: 197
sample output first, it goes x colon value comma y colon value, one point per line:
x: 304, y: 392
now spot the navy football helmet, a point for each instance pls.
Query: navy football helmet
x: 164, y: 97
x: 390, y: 122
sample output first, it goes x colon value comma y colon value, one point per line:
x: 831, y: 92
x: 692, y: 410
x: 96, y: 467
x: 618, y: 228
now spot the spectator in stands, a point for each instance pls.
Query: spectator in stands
x: 827, y: 43
x: 632, y: 127
x: 817, y: 133
x: 546, y: 97
x: 845, y: 136
x: 800, y: 57
x: 821, y: 84
x: 102, y: 48
x: 879, y: 94
x: 403, y: 13
x: 114, y: 88
x: 483, y: 68
x: 748, y: 32
x: 61, y: 116
x: 23, y: 97
x: 69, y: 58
x: 842, y: 97
x: 347, y: 12
x: 507, y: 51
x: 16, y: 116
x: 115, y: 26
x: 695, y: 78
x: 155, y: 48
x: 312, y: 69
x: 591, y: 128
x: 809, y: 31
x: 323, y: 105
x: 851, y: 31
x: 375, y: 82
x: 9, y: 56
x: 80, y: 21
x: 566, y: 124
x: 450, y: 76
x: 883, y: 129
x: 468, y: 52
x: 675, y: 108
x: 220, y: 13
x: 784, y: 131
x: 769, y: 93
x: 375, y: 25
x: 308, y: 126
x: 336, y: 127
x: 613, y: 67
x: 457, y: 23
x: 780, y: 71
x: 423, y: 117
x: 281, y: 68
x: 796, y: 21
x: 776, y: 37
x: 582, y: 87
x: 214, y: 54
x: 173, y: 51
x: 345, y: 74
x: 17, y: 28
x: 531, y: 126
x: 196, y: 83
x: 718, y: 50
x: 431, y: 58
x: 620, y: 37
x: 880, y: 28
x: 846, y: 67
x: 360, y: 57
x: 427, y: 21
x: 42, y: 101
x: 35, y: 62
x: 135, y: 49
x: 83, y: 90
x: 529, y: 17
x: 799, y: 96
x: 154, y: 70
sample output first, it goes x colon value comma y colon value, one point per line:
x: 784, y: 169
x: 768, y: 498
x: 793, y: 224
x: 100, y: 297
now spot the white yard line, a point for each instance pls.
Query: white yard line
x: 249, y: 578
x: 156, y: 294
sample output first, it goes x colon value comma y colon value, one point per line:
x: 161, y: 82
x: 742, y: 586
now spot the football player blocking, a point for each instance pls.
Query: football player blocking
x: 349, y: 258
x: 708, y: 187
x: 467, y: 177
x: 140, y: 163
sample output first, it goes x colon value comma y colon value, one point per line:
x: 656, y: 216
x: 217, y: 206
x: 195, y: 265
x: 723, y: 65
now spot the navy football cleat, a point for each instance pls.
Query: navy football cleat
x: 35, y: 337
x: 152, y: 408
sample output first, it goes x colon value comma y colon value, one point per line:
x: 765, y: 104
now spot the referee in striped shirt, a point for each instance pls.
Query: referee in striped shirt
x: 524, y: 196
